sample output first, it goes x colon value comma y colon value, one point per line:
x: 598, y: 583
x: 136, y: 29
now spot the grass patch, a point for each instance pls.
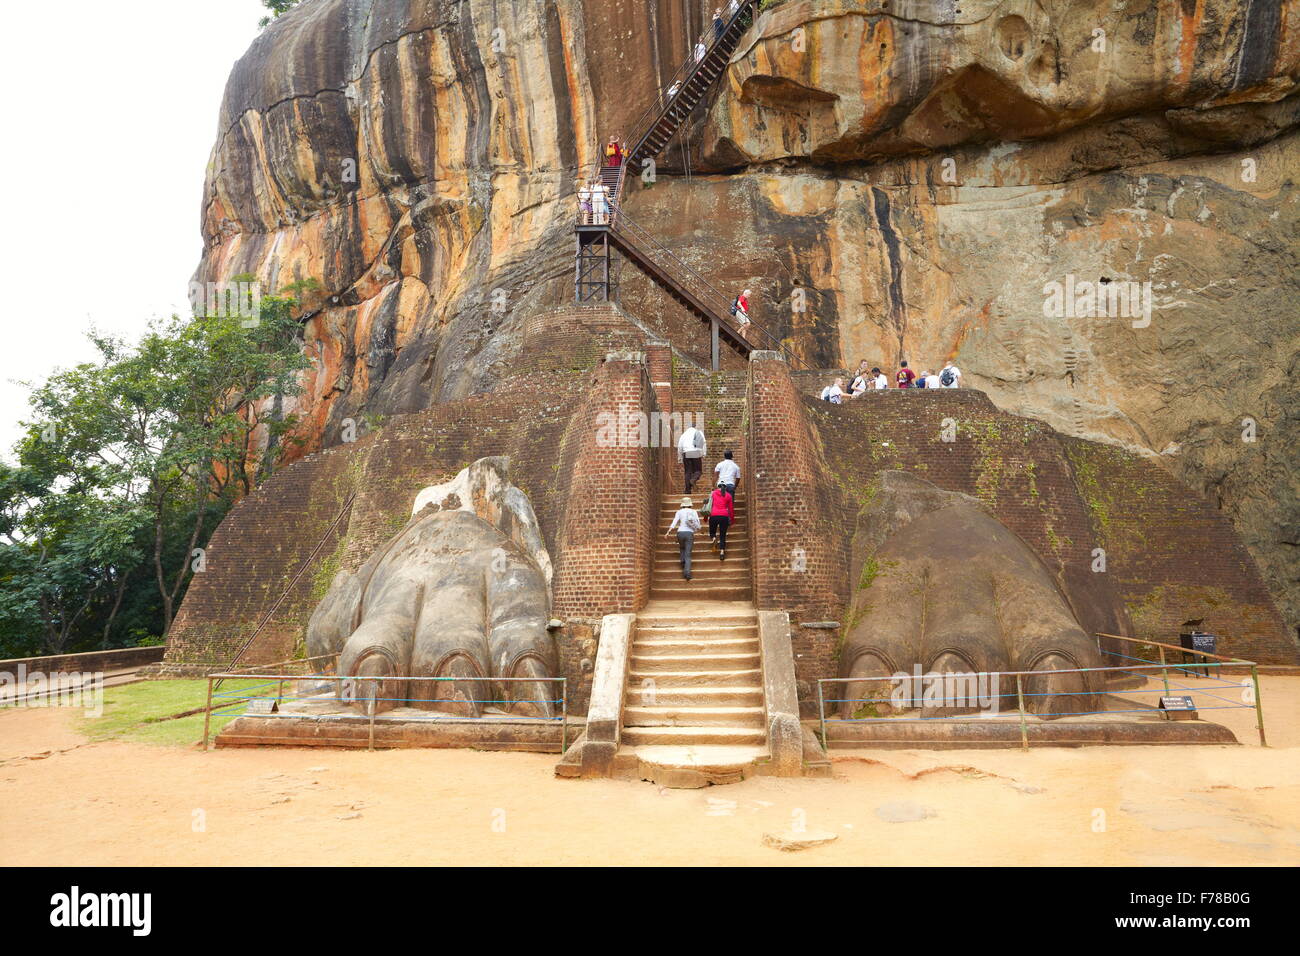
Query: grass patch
x: 139, y: 712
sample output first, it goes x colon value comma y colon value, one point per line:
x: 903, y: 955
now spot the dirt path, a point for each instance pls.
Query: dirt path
x: 119, y: 803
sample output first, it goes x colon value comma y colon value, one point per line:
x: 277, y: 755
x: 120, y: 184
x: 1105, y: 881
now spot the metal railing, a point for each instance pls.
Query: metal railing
x: 993, y: 679
x: 323, y: 685
x: 667, y: 96
x: 702, y: 289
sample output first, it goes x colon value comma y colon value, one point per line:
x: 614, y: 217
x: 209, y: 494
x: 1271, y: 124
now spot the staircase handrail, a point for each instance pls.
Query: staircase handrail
x: 712, y: 298
x: 644, y: 124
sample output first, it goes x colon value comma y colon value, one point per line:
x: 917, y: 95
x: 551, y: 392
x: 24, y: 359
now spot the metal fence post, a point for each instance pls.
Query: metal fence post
x: 374, y: 709
x: 1024, y: 730
x: 564, y: 720
x: 207, y: 713
x: 1259, y: 704
x: 821, y: 709
x: 1164, y: 671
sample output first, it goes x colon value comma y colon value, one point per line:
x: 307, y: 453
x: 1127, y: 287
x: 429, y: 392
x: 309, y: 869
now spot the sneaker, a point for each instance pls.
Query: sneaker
x: 686, y: 575
x: 722, y: 555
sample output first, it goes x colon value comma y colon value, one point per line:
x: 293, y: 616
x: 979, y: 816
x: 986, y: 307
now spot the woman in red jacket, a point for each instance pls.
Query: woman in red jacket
x: 721, y: 513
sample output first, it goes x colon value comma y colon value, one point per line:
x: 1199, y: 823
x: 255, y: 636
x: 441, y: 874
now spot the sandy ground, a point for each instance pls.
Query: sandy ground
x: 70, y: 802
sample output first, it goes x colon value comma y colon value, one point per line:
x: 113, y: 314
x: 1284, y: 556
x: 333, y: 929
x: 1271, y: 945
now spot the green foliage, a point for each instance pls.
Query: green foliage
x: 870, y: 571
x: 278, y: 8
x: 126, y: 465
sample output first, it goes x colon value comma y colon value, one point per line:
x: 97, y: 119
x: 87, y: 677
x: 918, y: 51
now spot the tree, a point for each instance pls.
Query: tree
x: 130, y: 459
x: 278, y: 8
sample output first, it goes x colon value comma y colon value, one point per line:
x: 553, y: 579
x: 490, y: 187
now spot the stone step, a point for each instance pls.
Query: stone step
x: 697, y: 499
x: 655, y: 695
x: 692, y: 765
x: 686, y: 632
x: 668, y: 558
x: 700, y: 549
x: 733, y: 570
x: 702, y: 591
x: 694, y: 736
x: 710, y: 661
x: 656, y: 647
x: 701, y: 614
x: 716, y: 680
x: 663, y: 715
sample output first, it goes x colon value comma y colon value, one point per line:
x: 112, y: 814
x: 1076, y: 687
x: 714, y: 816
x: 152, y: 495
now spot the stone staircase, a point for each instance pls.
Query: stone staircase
x: 692, y: 709
x: 712, y: 578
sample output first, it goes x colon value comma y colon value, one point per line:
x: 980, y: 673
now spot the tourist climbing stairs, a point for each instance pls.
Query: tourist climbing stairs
x: 687, y: 89
x: 600, y: 236
x: 694, y: 704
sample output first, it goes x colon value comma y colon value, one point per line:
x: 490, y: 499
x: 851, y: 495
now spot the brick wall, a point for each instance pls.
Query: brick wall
x: 605, y: 543
x: 542, y: 416
x: 800, y: 539
x: 1175, y: 557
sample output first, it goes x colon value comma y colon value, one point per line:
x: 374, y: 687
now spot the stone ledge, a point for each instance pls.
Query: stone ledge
x: 988, y: 734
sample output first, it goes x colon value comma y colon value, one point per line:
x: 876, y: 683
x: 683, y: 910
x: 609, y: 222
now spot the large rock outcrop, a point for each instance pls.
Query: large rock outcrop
x: 922, y: 172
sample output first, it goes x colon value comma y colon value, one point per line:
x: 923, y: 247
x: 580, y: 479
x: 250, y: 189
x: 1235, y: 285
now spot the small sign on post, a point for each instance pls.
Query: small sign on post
x: 1178, y: 708
x: 262, y: 705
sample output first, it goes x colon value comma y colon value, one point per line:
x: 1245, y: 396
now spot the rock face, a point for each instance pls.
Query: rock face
x: 894, y: 180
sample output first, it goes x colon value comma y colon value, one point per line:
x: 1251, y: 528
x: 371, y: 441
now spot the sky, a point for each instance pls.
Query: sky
x: 110, y: 119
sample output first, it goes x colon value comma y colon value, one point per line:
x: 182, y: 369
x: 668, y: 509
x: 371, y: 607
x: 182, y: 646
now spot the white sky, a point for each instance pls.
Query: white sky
x: 110, y: 117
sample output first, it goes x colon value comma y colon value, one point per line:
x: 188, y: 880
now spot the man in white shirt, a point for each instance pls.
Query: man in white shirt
x: 728, y: 473
x: 953, y: 375
x: 932, y: 381
x: 691, y: 449
x: 879, y: 382
x: 836, y: 396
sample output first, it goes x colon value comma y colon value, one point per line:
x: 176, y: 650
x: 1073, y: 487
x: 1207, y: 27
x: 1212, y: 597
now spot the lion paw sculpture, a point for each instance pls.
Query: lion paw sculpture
x: 949, y: 590
x: 461, y: 592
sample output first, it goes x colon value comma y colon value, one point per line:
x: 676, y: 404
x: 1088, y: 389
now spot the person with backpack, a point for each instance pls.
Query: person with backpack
x: 691, y: 449
x: 740, y: 308
x: 685, y: 522
x: 950, y: 377
x: 904, y: 376
x: 722, y: 511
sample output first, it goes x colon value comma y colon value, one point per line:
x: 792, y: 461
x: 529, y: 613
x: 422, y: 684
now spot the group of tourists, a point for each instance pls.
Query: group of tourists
x: 719, y: 506
x: 594, y: 202
x: 873, y: 379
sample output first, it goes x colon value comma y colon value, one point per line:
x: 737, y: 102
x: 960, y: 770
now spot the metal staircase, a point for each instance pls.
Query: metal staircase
x: 600, y: 236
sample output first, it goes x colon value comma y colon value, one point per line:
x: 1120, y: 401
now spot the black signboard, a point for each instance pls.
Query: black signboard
x: 1199, y: 642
